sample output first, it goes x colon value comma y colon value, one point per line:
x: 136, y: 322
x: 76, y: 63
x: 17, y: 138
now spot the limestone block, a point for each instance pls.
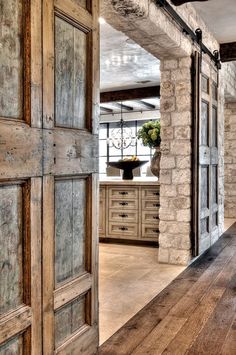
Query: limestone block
x: 185, y: 62
x: 181, y: 74
x: 165, y: 147
x: 163, y: 255
x: 184, y: 190
x: 167, y: 133
x: 179, y: 257
x: 184, y: 215
x: 167, y: 162
x: 166, y: 214
x: 168, y: 191
x: 167, y: 88
x: 180, y: 147
x: 164, y: 201
x: 183, y: 87
x: 180, y: 202
x: 180, y: 176
x: 183, y: 132
x: 165, y: 75
x: 170, y: 64
x: 181, y: 118
x: 183, y: 103
x: 183, y: 162
x: 167, y: 104
x: 173, y: 227
x: 165, y: 177
x: 165, y: 119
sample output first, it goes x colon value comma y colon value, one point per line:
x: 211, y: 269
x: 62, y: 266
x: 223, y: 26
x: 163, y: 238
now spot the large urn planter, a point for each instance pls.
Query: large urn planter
x: 155, y: 162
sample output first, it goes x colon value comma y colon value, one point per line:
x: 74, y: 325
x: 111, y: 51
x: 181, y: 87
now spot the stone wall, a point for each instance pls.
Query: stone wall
x: 230, y: 160
x: 175, y: 177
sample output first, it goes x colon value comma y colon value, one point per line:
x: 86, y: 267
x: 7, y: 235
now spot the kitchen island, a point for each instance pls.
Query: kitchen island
x: 129, y: 210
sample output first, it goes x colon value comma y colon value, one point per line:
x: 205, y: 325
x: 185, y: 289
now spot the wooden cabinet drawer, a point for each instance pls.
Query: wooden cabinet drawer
x: 102, y: 217
x: 123, y: 230
x: 150, y: 232
x: 102, y: 193
x: 150, y: 204
x: 151, y: 193
x: 123, y: 204
x: 121, y: 216
x: 123, y: 192
x: 151, y: 217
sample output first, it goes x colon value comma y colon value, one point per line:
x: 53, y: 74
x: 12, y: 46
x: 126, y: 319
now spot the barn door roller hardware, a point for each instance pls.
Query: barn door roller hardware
x: 215, y: 57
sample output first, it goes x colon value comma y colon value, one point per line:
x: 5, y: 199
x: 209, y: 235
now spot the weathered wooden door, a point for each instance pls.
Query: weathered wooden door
x: 70, y: 166
x: 20, y: 177
x: 48, y: 176
x: 207, y: 155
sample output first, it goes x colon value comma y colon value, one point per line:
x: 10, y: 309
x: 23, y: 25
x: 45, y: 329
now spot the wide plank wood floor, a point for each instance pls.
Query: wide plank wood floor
x: 195, y: 314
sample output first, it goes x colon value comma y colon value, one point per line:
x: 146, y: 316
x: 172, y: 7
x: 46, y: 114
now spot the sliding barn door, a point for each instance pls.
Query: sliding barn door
x: 207, y: 155
x: 20, y: 177
x: 70, y: 166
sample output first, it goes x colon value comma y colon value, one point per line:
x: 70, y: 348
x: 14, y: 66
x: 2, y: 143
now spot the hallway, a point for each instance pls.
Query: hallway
x: 195, y: 314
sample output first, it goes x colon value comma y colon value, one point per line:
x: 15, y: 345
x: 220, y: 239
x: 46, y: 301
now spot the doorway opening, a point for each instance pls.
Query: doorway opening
x: 129, y: 273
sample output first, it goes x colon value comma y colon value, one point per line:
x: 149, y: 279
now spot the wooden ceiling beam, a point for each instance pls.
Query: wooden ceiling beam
x: 228, y: 52
x: 146, y: 104
x: 130, y: 94
x: 106, y: 109
x: 181, y: 2
x: 124, y: 107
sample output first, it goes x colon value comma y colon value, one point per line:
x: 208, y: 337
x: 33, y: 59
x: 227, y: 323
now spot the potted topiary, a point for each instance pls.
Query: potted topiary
x: 150, y: 134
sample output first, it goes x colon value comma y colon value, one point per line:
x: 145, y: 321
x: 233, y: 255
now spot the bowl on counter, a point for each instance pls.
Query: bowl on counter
x: 127, y: 166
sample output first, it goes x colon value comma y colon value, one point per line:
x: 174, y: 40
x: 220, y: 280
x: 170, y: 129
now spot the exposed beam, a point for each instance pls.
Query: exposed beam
x: 146, y: 104
x: 106, y: 109
x: 228, y: 52
x: 125, y: 107
x: 181, y: 2
x: 130, y: 94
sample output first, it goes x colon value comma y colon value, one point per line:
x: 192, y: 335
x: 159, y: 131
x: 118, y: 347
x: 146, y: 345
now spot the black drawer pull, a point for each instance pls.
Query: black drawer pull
x: 123, y: 193
x: 156, y: 193
x: 123, y: 215
x: 123, y: 203
x: 155, y: 217
x: 123, y: 228
x: 156, y: 205
x: 155, y: 230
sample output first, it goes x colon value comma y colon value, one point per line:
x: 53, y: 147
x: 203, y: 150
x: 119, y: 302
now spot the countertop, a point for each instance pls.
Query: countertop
x: 136, y: 181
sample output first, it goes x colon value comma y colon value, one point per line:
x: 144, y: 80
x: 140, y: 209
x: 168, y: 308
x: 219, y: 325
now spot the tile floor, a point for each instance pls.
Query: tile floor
x: 130, y: 277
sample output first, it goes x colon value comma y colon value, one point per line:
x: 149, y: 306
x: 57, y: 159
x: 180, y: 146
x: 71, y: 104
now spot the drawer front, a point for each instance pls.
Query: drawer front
x: 102, y: 217
x: 123, y: 230
x: 150, y: 232
x: 123, y: 192
x: 121, y: 216
x: 151, y: 204
x: 102, y: 193
x: 151, y: 217
x: 124, y: 204
x: 151, y: 193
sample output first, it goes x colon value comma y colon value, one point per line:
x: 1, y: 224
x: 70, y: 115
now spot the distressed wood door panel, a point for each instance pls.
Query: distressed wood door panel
x: 207, y: 155
x: 20, y: 177
x: 70, y: 165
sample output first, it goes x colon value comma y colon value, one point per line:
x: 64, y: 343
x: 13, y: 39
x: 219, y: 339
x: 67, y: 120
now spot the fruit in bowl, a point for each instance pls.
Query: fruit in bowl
x: 133, y: 158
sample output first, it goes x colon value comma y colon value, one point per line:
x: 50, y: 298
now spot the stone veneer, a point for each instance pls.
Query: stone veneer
x: 230, y: 160
x: 175, y: 177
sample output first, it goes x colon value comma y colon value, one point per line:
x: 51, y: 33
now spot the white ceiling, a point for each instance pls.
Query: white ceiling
x: 220, y: 16
x: 124, y: 64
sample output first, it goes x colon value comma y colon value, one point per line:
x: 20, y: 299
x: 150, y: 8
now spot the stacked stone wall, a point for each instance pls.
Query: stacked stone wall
x: 175, y: 178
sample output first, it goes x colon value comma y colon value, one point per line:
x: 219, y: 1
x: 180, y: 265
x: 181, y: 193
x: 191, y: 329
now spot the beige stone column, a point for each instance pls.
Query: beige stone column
x: 175, y: 175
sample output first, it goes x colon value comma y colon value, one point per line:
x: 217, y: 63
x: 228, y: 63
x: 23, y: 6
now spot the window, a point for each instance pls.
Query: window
x: 108, y: 153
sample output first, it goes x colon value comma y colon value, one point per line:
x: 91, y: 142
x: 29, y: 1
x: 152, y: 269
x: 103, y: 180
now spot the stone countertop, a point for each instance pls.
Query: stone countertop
x: 136, y: 181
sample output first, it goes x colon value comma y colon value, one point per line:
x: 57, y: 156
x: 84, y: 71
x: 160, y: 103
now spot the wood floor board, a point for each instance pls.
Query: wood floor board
x: 195, y: 314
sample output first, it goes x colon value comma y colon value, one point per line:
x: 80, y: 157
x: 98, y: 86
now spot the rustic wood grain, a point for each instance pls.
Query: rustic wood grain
x: 11, y: 59
x: 11, y: 251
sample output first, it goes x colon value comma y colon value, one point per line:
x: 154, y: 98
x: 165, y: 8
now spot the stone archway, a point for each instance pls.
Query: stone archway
x: 150, y: 27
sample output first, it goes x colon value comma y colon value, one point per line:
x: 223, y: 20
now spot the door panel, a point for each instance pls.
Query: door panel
x: 20, y: 177
x: 206, y: 154
x: 70, y: 165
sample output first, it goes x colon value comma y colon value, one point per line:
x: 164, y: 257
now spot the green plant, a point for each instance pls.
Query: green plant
x: 150, y: 133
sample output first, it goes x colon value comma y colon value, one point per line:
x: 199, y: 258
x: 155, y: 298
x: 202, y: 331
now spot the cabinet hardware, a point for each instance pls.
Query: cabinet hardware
x: 156, y: 193
x: 123, y: 192
x: 123, y: 215
x: 155, y: 230
x: 156, y: 205
x: 123, y: 203
x: 155, y: 217
x: 123, y: 228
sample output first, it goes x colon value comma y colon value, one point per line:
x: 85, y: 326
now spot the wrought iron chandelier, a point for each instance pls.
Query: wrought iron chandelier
x: 121, y: 136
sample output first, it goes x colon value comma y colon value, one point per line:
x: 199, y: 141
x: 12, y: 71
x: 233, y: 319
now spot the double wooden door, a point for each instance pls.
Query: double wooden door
x: 49, y: 96
x: 206, y: 221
